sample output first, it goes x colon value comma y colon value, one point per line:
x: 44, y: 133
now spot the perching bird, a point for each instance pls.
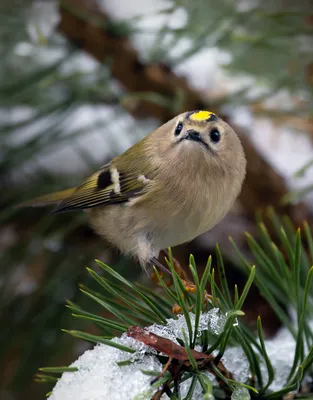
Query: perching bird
x: 173, y: 185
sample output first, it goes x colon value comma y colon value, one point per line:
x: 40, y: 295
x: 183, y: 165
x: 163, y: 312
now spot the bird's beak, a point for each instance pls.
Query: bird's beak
x: 195, y: 136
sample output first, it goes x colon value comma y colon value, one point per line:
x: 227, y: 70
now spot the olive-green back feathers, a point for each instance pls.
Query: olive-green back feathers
x: 104, y: 187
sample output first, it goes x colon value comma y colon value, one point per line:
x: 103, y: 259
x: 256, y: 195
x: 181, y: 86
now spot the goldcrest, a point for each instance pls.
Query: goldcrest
x: 172, y: 186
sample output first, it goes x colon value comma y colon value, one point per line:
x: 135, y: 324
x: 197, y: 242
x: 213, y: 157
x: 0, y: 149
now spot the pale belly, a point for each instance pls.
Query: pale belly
x: 184, y: 229
x: 143, y: 230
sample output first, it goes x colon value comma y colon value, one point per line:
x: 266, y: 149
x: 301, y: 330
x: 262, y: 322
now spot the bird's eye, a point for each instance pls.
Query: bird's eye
x: 179, y: 128
x: 215, y: 136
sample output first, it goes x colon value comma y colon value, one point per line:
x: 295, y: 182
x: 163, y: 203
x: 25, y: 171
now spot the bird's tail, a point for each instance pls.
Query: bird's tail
x: 47, y: 199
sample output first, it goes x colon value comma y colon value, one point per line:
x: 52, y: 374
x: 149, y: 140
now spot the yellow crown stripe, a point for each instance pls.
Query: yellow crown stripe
x: 201, y: 115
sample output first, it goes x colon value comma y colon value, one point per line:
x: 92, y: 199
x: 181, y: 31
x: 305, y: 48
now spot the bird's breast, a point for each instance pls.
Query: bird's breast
x: 190, y: 211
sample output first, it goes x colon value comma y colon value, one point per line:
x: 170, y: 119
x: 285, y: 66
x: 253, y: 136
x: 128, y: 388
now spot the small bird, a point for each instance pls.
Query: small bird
x: 175, y: 184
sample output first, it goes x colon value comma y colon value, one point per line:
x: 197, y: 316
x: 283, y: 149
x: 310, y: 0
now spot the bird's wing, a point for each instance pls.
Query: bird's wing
x: 106, y: 186
x: 47, y: 199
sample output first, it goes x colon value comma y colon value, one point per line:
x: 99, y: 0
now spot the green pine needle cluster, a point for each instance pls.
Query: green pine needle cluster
x: 283, y: 273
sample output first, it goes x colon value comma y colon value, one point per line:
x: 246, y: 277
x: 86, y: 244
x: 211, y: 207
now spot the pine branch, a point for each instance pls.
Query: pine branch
x: 197, y: 342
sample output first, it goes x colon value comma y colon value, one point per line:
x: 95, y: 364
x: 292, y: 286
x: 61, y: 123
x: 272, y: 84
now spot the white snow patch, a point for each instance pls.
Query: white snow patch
x: 240, y: 393
x: 213, y: 320
x: 122, y: 9
x: 43, y: 19
x: 108, y: 134
x: 280, y: 351
x: 100, y: 378
x: 285, y: 148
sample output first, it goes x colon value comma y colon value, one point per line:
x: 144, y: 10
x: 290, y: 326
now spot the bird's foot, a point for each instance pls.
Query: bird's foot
x: 178, y: 268
x: 155, y: 262
x: 164, y: 270
x: 189, y: 286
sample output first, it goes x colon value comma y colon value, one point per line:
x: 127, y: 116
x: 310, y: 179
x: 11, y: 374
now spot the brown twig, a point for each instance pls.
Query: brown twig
x: 178, y: 358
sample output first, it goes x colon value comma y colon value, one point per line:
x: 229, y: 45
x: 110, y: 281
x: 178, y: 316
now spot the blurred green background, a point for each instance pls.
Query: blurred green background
x: 80, y: 81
